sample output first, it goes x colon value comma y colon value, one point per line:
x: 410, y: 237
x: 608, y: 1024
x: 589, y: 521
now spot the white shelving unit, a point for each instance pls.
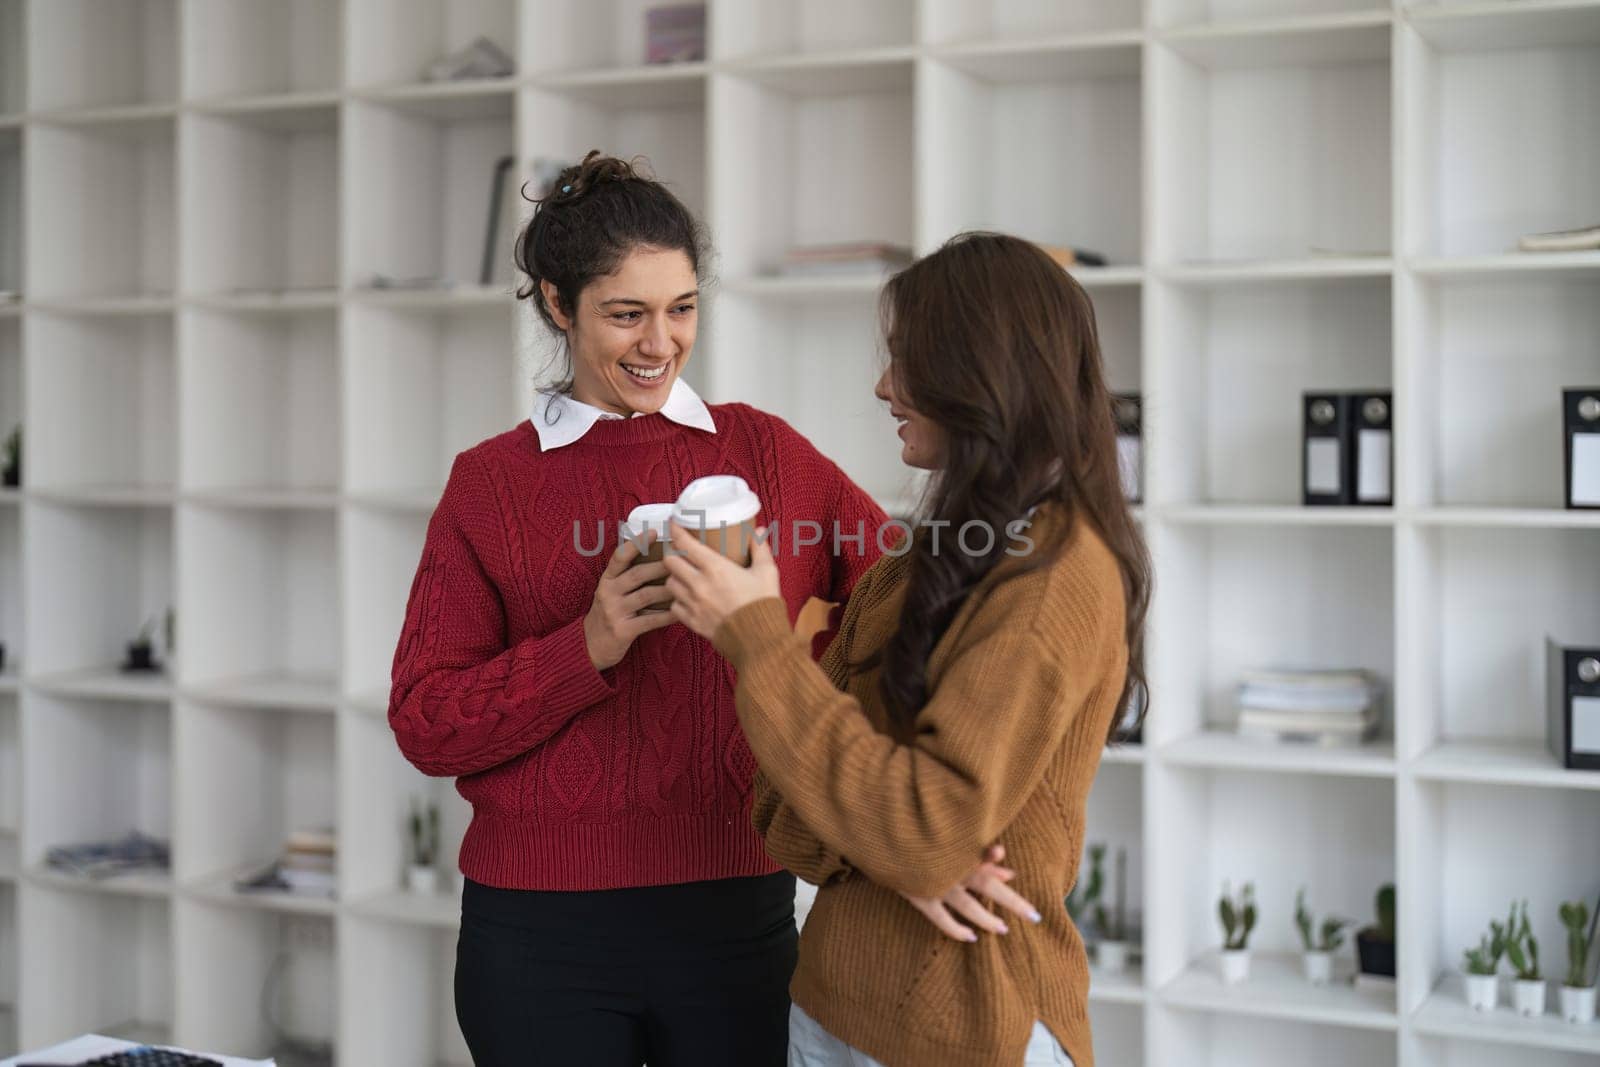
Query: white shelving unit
x: 225, y: 416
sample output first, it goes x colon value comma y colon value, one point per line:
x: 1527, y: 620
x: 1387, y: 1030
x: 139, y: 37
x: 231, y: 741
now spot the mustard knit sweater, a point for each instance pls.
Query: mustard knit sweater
x: 1021, y: 693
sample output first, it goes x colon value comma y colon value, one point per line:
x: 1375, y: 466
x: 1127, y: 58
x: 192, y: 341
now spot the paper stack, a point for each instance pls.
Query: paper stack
x: 1315, y: 707
x: 866, y: 257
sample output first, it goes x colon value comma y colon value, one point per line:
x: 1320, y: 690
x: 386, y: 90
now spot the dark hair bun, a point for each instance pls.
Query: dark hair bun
x: 576, y: 182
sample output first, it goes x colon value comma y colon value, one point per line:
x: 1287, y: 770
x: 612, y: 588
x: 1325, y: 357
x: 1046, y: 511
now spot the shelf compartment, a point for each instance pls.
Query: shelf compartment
x: 1279, y: 41
x: 1475, y: 855
x: 95, y: 963
x: 380, y: 788
x: 98, y: 576
x: 10, y: 788
x: 254, y: 50
x: 785, y: 190
x: 429, y: 219
x: 113, y: 776
x: 1009, y: 149
x: 259, y: 601
x: 961, y: 22
x: 822, y: 364
x: 810, y: 27
x: 1241, y: 359
x: 1483, y: 601
x: 666, y: 128
x: 423, y: 386
x: 1277, y: 989
x: 250, y: 779
x: 1445, y: 1014
x: 260, y: 401
x: 1468, y: 104
x: 101, y: 392
x: 1515, y: 763
x: 10, y: 210
x: 381, y: 551
x: 1486, y: 431
x: 83, y: 54
x: 400, y: 1005
x: 232, y: 961
x: 1223, y: 750
x: 262, y: 202
x: 566, y: 36
x: 1478, y: 26
x: 1271, y: 164
x: 108, y: 189
x: 390, y: 46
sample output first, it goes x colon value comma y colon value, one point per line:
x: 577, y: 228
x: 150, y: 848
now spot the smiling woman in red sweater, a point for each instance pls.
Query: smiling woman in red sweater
x: 618, y: 905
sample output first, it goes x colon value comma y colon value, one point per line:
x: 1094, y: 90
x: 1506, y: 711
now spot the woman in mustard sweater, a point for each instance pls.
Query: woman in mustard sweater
x: 978, y: 673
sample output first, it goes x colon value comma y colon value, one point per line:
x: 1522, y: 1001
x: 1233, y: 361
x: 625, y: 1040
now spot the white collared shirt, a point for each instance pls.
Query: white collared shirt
x: 560, y: 420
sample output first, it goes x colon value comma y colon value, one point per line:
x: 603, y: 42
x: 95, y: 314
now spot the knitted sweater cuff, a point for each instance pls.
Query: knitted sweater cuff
x: 752, y: 629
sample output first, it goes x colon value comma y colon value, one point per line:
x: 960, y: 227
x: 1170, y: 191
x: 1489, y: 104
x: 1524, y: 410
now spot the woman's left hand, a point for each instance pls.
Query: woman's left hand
x: 708, y: 587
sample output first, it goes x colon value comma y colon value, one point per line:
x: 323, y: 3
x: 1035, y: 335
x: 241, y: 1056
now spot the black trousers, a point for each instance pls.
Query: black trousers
x: 695, y: 974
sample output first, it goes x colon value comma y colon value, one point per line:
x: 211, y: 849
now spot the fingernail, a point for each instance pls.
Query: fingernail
x: 1036, y: 917
x: 1004, y: 929
x: 971, y: 937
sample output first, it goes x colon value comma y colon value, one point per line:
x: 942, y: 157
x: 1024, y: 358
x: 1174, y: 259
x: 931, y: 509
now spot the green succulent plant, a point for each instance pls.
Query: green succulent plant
x: 1238, y: 916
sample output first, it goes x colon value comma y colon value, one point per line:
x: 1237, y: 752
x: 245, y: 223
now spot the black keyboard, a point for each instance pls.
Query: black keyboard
x: 145, y: 1056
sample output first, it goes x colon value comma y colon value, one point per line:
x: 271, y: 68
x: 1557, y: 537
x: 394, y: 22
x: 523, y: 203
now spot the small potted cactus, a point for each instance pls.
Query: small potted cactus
x: 1522, y: 951
x: 1577, y: 994
x: 1238, y: 917
x: 1482, y: 964
x: 1319, y: 945
x: 422, y: 875
x: 1111, y: 952
x: 1375, y: 944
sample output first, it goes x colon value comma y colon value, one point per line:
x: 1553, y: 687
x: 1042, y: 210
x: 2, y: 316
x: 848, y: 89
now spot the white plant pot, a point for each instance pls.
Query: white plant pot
x: 1483, y: 992
x: 420, y: 879
x: 1530, y: 996
x: 1111, y: 957
x: 1577, y: 1005
x: 1318, y: 966
x: 1235, y: 965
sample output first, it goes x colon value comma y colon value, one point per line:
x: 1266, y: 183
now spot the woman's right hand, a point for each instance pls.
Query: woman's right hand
x: 615, y: 621
x: 988, y: 879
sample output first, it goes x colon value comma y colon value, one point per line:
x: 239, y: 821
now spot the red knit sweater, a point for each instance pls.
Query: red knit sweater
x: 583, y: 779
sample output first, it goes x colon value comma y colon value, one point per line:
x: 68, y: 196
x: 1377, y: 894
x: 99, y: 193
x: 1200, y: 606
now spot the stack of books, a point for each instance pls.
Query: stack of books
x: 675, y: 33
x: 309, y: 866
x: 865, y: 257
x: 136, y: 853
x: 1310, y: 707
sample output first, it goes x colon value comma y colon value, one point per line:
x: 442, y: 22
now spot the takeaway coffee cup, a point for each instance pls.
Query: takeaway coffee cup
x: 721, y: 511
x: 642, y: 519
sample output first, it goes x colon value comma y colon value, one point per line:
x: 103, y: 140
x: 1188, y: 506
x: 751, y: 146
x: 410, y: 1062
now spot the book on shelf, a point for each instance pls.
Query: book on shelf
x: 1074, y: 257
x: 857, y: 258
x: 1579, y: 240
x: 136, y: 853
x: 1316, y: 707
x: 675, y: 33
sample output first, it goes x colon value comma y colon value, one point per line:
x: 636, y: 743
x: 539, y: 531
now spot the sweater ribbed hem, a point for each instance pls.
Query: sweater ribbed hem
x: 755, y: 627
x: 518, y: 854
x: 876, y: 1030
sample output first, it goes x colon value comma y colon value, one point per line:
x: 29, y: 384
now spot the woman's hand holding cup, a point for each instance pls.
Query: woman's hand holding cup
x: 617, y: 616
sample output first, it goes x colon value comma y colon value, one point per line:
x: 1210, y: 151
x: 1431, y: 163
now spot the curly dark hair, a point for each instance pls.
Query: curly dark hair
x: 590, y: 218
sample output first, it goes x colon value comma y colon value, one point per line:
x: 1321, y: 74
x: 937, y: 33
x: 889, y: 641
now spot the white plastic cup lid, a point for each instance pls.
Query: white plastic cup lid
x: 715, y: 501
x: 650, y: 517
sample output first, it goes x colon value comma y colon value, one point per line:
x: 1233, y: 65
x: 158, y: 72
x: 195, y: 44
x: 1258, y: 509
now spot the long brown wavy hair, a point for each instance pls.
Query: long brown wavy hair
x: 991, y: 340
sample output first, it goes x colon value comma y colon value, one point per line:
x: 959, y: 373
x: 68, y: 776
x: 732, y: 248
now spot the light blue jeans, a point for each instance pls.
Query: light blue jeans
x: 812, y: 1046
